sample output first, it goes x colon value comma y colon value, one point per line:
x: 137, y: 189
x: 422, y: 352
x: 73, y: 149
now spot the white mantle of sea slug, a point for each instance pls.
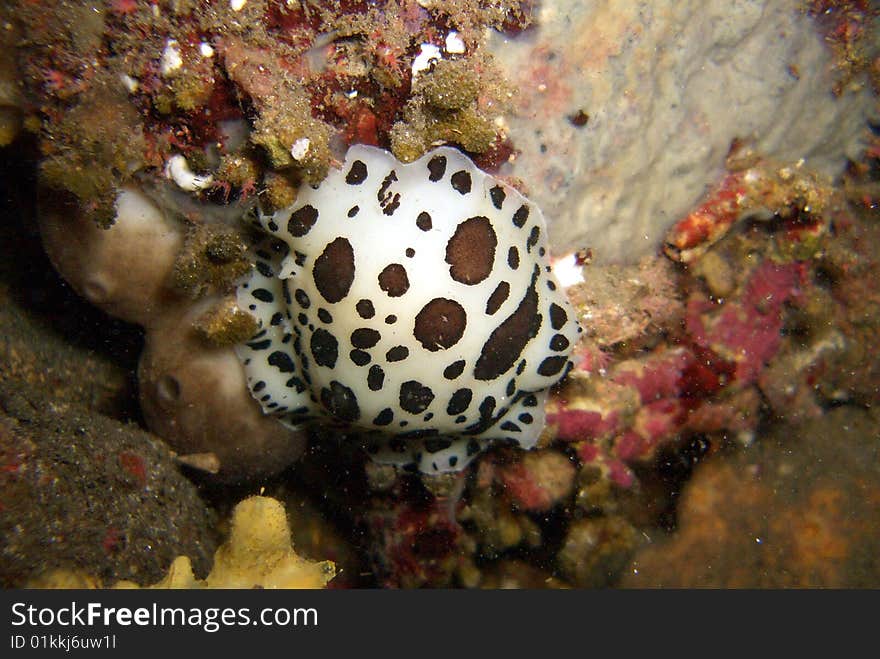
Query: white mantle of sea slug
x: 411, y: 303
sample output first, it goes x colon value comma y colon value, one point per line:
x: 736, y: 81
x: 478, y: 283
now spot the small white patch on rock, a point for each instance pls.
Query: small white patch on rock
x: 454, y: 43
x: 429, y: 54
x: 171, y: 59
x: 130, y: 84
x: 177, y: 169
x: 300, y: 148
x: 567, y: 271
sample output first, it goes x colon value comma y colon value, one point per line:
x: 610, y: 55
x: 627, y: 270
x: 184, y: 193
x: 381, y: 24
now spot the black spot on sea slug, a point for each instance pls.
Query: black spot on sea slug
x: 552, y: 365
x: 533, y: 238
x: 302, y: 298
x: 558, y: 343
x: 263, y: 295
x: 392, y: 205
x: 340, y: 402
x: 397, y: 354
x: 393, y: 280
x: 325, y: 348
x: 461, y: 182
x: 435, y: 444
x: 415, y: 397
x: 453, y: 370
x: 365, y: 337
x: 334, y: 270
x: 295, y: 383
x: 497, y: 195
x: 521, y: 216
x: 459, y: 401
x: 281, y: 361
x: 558, y: 317
x: 360, y: 357
x: 264, y: 269
x: 506, y: 343
x: 384, y: 417
x: 440, y: 324
x: 471, y: 250
x: 513, y: 258
x: 365, y: 309
x: 357, y: 174
x: 499, y: 295
x: 423, y: 221
x: 375, y: 378
x: 387, y: 200
x: 436, y: 168
x: 302, y: 220
x: 487, y: 407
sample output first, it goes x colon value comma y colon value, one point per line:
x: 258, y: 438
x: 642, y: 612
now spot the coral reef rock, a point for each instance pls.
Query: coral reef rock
x: 257, y: 554
x: 796, y: 509
x: 82, y: 491
x: 667, y: 87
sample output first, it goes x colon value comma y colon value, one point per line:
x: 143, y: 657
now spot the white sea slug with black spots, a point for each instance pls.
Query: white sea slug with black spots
x: 412, y: 304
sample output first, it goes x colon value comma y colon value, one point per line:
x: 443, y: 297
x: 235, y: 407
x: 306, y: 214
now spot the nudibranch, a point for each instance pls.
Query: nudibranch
x: 413, y: 304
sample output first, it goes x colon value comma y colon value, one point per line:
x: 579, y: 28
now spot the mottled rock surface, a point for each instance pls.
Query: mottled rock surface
x: 625, y: 111
x: 49, y: 337
x: 80, y: 490
x: 797, y: 509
